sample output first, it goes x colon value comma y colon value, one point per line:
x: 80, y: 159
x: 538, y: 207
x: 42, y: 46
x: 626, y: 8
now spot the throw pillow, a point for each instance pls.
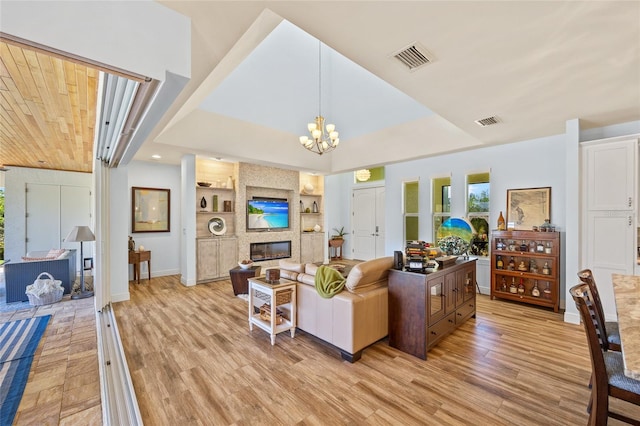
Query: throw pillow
x: 33, y: 259
x: 53, y: 253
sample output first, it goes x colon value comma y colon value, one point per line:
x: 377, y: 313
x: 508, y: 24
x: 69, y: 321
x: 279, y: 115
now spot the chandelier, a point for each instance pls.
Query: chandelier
x: 323, y: 138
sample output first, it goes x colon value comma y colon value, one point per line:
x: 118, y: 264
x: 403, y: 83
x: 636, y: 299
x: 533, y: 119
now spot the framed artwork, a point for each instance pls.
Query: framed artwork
x: 528, y: 207
x: 150, y: 209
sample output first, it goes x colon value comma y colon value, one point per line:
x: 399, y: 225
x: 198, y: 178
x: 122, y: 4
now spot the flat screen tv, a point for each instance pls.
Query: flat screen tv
x: 267, y: 214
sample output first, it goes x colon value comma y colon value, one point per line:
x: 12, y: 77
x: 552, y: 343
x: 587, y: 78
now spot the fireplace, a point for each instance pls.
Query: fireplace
x: 270, y: 250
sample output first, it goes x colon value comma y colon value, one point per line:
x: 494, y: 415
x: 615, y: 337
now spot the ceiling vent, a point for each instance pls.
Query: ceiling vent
x: 487, y: 121
x: 413, y: 56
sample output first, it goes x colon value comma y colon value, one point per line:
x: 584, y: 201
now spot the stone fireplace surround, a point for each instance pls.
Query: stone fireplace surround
x: 255, y: 180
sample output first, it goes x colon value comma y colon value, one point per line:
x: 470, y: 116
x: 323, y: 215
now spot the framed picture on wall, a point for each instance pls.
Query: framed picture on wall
x: 528, y: 207
x: 150, y: 209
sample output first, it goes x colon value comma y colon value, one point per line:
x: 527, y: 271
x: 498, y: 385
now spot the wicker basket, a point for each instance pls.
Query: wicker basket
x: 45, y: 299
x: 283, y: 296
x: 53, y: 296
x: 265, y: 314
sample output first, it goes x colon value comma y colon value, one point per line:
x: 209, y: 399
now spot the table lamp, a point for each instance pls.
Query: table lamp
x: 81, y: 234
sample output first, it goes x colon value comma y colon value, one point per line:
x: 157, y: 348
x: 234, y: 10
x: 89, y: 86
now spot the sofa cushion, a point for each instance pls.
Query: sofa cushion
x: 310, y: 269
x: 368, y: 275
x: 33, y: 259
x: 55, y: 253
x: 291, y: 266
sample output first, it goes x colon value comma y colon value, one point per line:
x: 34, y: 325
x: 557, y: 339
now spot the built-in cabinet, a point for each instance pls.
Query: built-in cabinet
x: 610, y: 191
x: 215, y: 257
x: 216, y: 241
x: 424, y: 308
x: 311, y: 247
x: 525, y: 267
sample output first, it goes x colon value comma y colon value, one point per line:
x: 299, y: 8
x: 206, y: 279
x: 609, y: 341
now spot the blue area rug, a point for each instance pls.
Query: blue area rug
x: 18, y: 343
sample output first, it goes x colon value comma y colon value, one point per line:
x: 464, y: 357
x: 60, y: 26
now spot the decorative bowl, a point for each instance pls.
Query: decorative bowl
x: 245, y: 265
x: 205, y: 184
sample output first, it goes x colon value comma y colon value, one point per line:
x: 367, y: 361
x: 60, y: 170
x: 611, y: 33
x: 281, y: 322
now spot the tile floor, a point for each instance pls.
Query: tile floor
x: 64, y: 382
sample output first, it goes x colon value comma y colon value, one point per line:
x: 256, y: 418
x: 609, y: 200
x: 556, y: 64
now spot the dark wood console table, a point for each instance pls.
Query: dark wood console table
x: 239, y: 278
x: 424, y: 308
x: 136, y: 258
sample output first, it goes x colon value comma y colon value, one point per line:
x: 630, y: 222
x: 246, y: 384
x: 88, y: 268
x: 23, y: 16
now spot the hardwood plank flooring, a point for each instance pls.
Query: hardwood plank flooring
x: 194, y: 361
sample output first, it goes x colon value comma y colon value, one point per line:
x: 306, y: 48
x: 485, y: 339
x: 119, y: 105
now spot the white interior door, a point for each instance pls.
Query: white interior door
x: 368, y: 223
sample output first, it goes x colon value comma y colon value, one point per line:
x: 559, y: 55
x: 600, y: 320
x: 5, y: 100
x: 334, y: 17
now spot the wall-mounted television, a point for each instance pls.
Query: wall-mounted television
x: 267, y: 214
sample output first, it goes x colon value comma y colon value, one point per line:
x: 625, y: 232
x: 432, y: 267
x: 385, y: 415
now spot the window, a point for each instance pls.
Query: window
x: 440, y: 203
x: 368, y: 175
x: 478, y: 212
x: 411, y: 219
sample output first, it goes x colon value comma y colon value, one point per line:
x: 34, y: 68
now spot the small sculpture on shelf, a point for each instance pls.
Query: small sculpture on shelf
x: 132, y: 244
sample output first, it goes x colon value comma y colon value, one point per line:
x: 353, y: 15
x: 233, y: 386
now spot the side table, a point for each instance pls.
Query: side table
x: 136, y: 258
x: 272, y: 306
x: 239, y: 278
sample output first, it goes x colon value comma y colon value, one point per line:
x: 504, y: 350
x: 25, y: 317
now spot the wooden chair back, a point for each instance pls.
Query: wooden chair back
x: 586, y: 276
x: 607, y: 376
x: 599, y: 378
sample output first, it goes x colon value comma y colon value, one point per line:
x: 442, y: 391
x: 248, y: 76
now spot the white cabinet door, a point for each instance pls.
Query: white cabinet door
x: 228, y: 256
x: 610, y: 173
x: 610, y: 250
x: 207, y: 255
x: 311, y: 247
x: 43, y: 217
x: 52, y: 212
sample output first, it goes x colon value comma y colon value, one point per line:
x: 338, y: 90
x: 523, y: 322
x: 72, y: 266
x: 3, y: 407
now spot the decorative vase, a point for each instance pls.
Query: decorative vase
x: 229, y: 183
x: 214, y: 205
x: 501, y: 223
x: 203, y: 203
x: 315, y: 207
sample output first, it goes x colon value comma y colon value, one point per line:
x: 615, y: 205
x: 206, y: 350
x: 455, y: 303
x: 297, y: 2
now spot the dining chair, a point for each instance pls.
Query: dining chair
x: 607, y: 328
x: 608, y: 378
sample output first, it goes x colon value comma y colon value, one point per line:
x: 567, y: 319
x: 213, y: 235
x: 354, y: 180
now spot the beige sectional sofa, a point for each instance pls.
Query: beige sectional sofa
x: 352, y: 319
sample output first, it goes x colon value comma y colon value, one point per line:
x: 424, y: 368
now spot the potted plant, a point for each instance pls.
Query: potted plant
x: 339, y: 235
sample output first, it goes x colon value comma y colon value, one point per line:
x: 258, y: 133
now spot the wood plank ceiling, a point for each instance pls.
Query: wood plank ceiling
x: 47, y: 110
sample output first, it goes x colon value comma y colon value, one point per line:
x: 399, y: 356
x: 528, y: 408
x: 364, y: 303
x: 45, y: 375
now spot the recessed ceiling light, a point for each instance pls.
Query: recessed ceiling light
x: 42, y: 162
x: 215, y: 158
x: 156, y: 156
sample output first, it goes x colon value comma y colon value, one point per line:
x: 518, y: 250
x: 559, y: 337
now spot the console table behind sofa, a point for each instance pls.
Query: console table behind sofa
x: 18, y: 275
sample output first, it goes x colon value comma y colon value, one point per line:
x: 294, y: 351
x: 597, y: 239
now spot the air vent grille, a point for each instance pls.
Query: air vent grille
x: 413, y: 57
x: 487, y: 121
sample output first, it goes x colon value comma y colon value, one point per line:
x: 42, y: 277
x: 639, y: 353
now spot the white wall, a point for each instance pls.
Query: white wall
x: 16, y: 179
x: 130, y: 35
x: 164, y: 246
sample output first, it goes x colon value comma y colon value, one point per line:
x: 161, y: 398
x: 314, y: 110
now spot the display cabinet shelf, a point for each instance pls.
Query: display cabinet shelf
x: 525, y: 267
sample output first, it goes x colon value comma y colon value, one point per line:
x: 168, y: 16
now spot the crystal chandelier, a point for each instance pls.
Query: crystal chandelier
x: 323, y: 139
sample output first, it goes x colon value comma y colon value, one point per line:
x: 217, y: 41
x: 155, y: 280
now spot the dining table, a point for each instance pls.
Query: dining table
x: 626, y: 289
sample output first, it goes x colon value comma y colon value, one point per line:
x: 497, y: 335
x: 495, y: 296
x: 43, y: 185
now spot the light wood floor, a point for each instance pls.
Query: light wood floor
x: 194, y: 362
x: 64, y: 383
